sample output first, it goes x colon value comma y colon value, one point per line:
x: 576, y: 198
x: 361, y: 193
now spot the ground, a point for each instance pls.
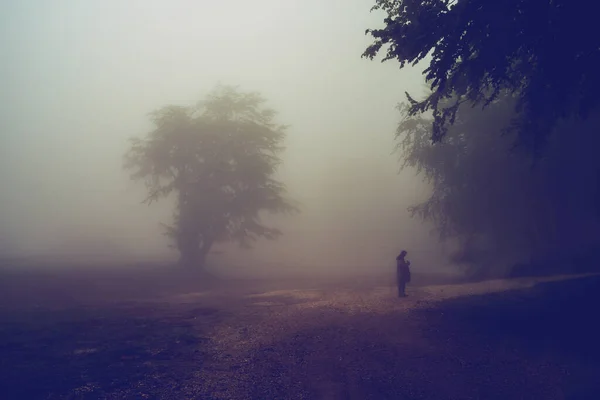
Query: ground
x: 153, y: 334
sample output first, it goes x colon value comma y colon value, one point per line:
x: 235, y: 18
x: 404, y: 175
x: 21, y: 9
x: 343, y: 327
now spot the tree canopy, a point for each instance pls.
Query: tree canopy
x: 219, y: 159
x: 546, y: 52
x: 500, y: 209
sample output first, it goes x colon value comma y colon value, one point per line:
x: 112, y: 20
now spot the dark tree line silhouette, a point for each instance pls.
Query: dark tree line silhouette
x: 506, y: 135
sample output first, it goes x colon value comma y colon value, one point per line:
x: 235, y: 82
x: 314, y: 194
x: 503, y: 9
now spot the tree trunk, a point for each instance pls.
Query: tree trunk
x: 189, y: 252
x: 191, y: 260
x: 193, y: 252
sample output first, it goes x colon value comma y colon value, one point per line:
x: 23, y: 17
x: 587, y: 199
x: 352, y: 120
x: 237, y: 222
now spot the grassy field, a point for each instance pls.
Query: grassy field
x: 154, y: 334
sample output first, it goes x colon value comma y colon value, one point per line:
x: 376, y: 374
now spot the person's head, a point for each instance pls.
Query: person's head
x: 403, y: 253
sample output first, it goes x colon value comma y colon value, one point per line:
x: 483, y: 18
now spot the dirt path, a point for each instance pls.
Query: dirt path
x: 489, y: 340
x: 367, y: 344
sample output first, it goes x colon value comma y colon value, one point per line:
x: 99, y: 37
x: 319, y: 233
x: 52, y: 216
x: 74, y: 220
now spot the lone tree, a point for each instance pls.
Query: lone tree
x: 219, y: 160
x: 544, y: 51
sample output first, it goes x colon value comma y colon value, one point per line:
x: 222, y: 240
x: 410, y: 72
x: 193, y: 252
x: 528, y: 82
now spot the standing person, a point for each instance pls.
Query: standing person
x: 402, y: 273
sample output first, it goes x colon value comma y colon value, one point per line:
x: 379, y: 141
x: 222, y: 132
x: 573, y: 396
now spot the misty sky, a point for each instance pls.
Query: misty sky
x: 79, y: 78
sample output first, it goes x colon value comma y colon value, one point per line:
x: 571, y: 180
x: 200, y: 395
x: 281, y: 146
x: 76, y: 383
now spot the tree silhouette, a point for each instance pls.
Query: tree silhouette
x: 489, y: 196
x: 219, y: 160
x: 544, y: 51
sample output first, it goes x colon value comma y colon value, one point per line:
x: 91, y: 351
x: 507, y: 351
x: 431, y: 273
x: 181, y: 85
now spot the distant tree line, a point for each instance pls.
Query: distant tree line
x: 500, y: 207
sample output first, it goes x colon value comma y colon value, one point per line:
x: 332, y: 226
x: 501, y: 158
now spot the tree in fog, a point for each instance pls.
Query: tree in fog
x: 219, y: 159
x: 489, y: 196
x: 543, y: 51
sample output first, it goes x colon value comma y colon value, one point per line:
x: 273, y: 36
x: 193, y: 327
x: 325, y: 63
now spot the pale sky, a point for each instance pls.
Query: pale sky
x: 79, y: 78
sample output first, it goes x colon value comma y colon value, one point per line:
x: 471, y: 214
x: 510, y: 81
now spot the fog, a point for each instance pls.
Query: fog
x: 79, y: 79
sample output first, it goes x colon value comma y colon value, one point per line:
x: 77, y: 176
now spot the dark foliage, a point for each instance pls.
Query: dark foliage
x: 547, y: 52
x: 489, y: 197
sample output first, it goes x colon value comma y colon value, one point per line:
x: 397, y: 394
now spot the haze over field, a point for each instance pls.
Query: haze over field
x: 79, y: 79
x: 143, y: 142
